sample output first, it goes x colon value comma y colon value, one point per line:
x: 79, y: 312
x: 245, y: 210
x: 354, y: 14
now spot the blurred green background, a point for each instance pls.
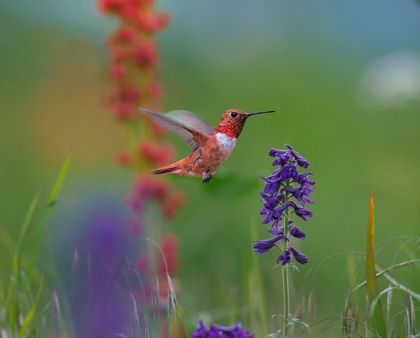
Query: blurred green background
x: 343, y: 77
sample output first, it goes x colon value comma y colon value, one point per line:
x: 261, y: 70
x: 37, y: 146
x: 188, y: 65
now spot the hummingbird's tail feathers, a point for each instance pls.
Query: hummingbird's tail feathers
x: 170, y: 169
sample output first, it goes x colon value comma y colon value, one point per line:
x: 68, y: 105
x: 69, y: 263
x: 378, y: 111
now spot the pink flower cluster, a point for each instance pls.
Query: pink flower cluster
x: 132, y: 50
x: 147, y: 189
x: 134, y: 58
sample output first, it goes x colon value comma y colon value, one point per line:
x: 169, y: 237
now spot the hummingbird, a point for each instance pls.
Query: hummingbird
x: 210, y: 146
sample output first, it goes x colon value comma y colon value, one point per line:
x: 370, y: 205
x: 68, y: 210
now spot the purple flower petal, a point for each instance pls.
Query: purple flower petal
x: 301, y: 161
x: 266, y: 245
x: 300, y: 257
x: 285, y: 257
x: 296, y: 232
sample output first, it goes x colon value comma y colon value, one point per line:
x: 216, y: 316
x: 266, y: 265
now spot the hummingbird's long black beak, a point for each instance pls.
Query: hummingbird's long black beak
x: 260, y: 112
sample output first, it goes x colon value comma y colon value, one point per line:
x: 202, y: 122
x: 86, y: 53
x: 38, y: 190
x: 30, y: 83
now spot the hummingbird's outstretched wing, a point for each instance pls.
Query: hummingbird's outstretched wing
x: 195, y: 135
x: 193, y: 120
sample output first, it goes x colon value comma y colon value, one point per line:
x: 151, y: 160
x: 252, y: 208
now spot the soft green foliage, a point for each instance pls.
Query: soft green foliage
x: 21, y: 313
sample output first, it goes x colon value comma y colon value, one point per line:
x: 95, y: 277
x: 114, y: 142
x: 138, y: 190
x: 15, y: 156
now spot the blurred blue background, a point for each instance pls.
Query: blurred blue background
x: 343, y: 77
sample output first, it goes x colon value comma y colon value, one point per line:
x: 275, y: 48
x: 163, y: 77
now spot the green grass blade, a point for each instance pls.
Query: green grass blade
x: 376, y: 316
x: 12, y: 302
x: 256, y: 271
x: 25, y: 226
x: 378, y: 299
x: 6, y: 241
x: 29, y: 317
x: 52, y: 200
x: 402, y: 287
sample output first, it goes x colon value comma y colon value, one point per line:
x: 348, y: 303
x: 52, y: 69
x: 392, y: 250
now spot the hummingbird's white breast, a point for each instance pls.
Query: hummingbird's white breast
x: 226, y: 143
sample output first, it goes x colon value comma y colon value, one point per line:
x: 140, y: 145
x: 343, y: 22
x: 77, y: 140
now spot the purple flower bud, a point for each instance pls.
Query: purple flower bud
x: 301, y: 161
x: 285, y: 257
x: 300, y: 257
x: 296, y: 232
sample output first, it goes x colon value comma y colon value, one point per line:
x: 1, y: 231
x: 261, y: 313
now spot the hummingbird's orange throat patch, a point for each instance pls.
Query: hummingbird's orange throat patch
x: 231, y: 130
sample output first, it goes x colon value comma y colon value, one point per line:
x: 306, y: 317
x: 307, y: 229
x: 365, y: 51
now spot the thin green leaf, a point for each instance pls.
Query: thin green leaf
x: 52, y: 199
x: 402, y: 287
x: 376, y: 316
x: 381, y: 271
x: 256, y: 271
x: 25, y: 226
x: 12, y: 300
x: 6, y: 241
x: 28, y: 318
x: 377, y: 299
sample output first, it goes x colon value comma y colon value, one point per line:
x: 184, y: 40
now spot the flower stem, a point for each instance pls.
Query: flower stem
x: 286, y: 299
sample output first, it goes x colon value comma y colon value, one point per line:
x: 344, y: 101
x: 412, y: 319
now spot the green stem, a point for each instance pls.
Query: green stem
x: 286, y: 298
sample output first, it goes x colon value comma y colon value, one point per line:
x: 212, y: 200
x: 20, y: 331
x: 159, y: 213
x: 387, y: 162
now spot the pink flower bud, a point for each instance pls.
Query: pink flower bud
x: 117, y: 72
x: 146, y: 54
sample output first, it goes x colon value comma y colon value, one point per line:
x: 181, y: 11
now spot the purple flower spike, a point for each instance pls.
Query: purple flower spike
x: 296, y: 232
x: 300, y: 257
x: 286, y: 192
x: 285, y: 257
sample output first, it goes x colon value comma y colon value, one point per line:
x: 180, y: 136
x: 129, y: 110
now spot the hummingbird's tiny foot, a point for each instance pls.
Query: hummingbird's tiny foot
x: 207, y: 179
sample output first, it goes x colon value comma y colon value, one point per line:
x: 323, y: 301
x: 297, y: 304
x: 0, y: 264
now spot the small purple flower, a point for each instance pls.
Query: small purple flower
x: 304, y: 180
x: 301, y: 211
x: 300, y: 257
x: 299, y: 194
x: 283, y: 156
x: 301, y: 161
x: 265, y: 245
x: 285, y: 257
x: 296, y: 232
x: 272, y: 201
x: 276, y: 231
x: 218, y: 331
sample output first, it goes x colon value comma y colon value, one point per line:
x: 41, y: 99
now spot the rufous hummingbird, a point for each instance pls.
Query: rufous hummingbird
x: 211, y: 146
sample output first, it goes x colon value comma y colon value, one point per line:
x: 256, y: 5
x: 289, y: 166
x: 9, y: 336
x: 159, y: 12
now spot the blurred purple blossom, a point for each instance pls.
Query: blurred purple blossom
x: 218, y: 331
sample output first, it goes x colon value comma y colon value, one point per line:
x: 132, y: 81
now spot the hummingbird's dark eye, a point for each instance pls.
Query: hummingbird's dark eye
x: 233, y: 114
